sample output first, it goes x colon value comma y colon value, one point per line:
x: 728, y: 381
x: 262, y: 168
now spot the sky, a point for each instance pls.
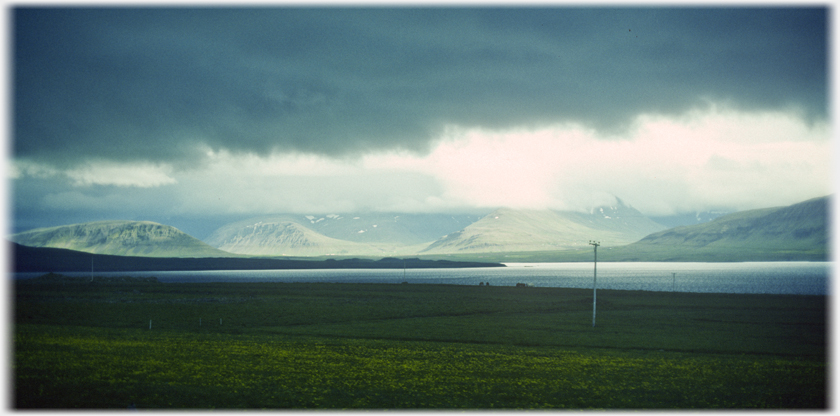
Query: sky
x: 196, y: 116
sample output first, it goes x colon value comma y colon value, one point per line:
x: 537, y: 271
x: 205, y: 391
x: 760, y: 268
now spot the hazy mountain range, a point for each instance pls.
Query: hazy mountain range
x: 799, y: 231
x: 795, y: 232
x: 508, y: 230
x: 503, y: 230
x: 333, y: 234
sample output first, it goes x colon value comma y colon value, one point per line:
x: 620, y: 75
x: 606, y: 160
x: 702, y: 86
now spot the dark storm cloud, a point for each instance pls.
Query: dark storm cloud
x: 157, y: 84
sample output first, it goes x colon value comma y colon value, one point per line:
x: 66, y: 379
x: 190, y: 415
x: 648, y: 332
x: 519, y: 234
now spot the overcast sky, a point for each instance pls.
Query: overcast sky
x: 207, y: 113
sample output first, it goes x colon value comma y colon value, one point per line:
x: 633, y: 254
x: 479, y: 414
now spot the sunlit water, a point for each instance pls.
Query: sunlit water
x: 804, y: 278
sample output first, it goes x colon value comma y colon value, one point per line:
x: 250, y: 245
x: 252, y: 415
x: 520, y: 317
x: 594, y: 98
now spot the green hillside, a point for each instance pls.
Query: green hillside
x: 123, y: 238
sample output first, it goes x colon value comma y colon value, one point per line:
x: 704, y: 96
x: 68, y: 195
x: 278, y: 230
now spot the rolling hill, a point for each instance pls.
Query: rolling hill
x: 799, y: 232
x: 410, y: 234
x: 124, y: 238
x: 798, y: 229
x: 370, y: 234
x: 281, y: 239
x: 796, y: 232
x: 507, y: 230
x: 394, y: 229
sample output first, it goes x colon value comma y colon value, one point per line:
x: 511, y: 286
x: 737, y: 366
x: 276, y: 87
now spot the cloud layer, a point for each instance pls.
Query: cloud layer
x: 155, y: 113
x: 715, y: 159
x: 162, y: 84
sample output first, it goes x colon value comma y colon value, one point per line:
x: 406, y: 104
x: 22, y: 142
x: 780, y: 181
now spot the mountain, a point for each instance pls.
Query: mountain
x: 796, y: 232
x: 281, y: 238
x: 699, y: 217
x: 396, y: 229
x: 508, y: 230
x: 369, y: 234
x: 125, y: 238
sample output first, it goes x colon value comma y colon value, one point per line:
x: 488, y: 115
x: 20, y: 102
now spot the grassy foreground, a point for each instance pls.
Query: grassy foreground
x: 336, y: 346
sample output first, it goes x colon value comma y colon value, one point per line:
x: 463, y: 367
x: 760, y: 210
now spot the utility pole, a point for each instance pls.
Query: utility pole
x: 595, y: 280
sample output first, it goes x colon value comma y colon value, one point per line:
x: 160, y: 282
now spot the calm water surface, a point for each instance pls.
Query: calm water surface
x: 805, y: 278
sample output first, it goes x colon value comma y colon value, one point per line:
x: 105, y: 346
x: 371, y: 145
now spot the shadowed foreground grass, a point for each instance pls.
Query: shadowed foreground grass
x: 290, y: 345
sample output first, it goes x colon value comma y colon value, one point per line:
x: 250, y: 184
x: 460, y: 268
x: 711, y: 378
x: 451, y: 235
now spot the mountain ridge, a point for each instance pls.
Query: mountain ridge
x: 371, y: 228
x: 517, y: 230
x: 804, y: 224
x: 119, y: 237
x: 539, y: 230
x: 282, y: 238
x: 797, y: 231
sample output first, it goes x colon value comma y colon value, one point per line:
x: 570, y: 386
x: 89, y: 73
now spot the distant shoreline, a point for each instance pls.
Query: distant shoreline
x: 37, y: 259
x: 58, y: 279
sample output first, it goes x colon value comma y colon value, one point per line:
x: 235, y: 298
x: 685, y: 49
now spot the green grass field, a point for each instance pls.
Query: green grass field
x: 363, y: 346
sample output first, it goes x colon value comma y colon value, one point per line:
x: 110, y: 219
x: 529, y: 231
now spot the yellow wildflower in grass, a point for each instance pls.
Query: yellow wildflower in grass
x: 379, y: 346
x: 199, y: 371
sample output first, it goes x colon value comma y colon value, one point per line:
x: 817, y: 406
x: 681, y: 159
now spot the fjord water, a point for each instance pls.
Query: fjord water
x: 801, y: 278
